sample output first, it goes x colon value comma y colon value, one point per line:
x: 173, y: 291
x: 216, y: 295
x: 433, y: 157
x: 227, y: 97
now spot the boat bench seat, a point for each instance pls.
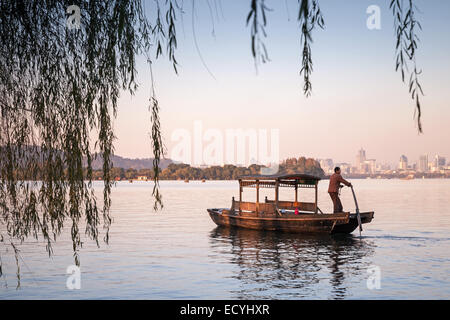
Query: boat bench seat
x: 251, y: 207
x: 292, y: 205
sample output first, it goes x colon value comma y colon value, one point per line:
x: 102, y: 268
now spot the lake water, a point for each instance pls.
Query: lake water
x: 179, y: 253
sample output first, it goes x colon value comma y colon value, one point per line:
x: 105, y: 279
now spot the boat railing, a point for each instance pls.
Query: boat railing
x: 292, y: 205
x: 270, y: 207
x: 252, y: 207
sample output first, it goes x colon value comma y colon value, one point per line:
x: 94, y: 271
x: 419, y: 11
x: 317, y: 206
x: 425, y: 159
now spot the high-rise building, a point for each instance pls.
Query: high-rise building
x: 439, y: 161
x: 423, y: 163
x: 403, y: 164
x: 360, y: 160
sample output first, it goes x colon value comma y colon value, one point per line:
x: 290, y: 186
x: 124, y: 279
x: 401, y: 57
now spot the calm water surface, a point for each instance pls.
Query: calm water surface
x: 180, y: 253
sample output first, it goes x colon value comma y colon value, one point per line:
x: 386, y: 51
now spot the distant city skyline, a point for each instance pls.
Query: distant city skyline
x: 424, y: 163
x: 362, y: 165
x: 410, y: 159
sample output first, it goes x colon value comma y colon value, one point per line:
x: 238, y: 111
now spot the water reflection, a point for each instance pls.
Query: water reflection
x: 296, y: 266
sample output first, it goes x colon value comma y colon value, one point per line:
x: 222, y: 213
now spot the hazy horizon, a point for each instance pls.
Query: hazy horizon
x: 358, y: 99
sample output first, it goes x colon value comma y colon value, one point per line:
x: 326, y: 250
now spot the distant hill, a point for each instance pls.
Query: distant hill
x: 34, y: 152
x: 127, y: 163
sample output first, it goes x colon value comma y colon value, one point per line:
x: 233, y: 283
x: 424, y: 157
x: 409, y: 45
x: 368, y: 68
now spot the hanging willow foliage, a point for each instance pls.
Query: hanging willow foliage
x: 59, y: 86
x: 310, y: 16
x: 406, y: 25
x: 258, y: 8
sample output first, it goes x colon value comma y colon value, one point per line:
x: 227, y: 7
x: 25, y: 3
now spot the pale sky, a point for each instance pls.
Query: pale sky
x: 358, y: 99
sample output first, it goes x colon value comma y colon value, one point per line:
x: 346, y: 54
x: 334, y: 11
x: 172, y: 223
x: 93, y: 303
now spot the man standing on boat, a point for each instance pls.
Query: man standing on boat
x: 333, y: 189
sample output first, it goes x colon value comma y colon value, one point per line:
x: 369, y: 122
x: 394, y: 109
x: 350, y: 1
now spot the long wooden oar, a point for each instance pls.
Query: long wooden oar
x: 357, y: 212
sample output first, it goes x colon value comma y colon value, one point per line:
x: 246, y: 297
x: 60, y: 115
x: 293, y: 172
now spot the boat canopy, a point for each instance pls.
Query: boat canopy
x: 279, y: 180
x: 295, y: 181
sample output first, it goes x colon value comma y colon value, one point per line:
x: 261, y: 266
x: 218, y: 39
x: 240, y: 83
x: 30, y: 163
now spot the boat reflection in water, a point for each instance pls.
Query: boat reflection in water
x: 294, y: 266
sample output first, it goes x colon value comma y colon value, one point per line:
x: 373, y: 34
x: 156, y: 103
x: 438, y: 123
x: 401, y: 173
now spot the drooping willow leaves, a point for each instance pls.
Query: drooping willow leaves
x: 257, y: 27
x: 310, y: 16
x: 406, y: 26
x: 59, y: 89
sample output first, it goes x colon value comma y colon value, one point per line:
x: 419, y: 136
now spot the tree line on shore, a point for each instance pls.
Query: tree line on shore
x: 183, y: 171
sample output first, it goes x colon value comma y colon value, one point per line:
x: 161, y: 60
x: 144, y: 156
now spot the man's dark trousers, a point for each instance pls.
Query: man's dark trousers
x: 337, y: 205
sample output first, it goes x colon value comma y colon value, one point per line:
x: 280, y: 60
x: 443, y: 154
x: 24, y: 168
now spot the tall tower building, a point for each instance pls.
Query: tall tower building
x: 423, y: 163
x: 360, y: 160
x: 403, y: 164
x: 439, y: 161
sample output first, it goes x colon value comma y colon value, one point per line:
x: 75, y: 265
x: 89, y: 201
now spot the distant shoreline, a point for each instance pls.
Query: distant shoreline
x: 402, y: 176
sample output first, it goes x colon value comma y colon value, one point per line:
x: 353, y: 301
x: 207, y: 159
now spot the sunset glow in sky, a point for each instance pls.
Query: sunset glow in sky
x: 358, y: 99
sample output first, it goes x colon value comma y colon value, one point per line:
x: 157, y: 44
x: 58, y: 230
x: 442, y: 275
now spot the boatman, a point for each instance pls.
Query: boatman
x: 333, y: 189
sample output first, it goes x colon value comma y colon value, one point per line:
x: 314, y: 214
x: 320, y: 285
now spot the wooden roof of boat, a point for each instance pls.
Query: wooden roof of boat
x: 279, y: 180
x: 283, y: 176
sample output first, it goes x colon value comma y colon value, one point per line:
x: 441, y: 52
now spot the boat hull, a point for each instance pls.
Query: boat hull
x: 344, y: 222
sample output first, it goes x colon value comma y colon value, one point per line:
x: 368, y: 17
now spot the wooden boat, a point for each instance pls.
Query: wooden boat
x: 286, y: 216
